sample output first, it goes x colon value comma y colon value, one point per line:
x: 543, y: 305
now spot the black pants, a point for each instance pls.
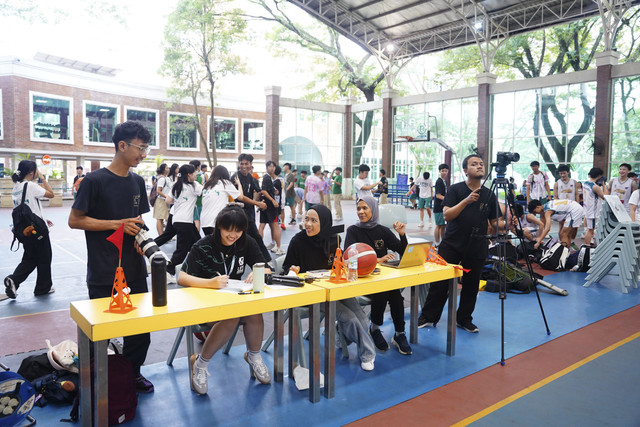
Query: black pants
x: 187, y: 235
x: 439, y: 291
x: 135, y: 347
x: 396, y: 305
x: 252, y: 231
x: 37, y: 254
x: 208, y: 231
x: 167, y: 234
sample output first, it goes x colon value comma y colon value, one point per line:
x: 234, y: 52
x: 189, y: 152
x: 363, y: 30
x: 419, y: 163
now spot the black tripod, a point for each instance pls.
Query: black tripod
x: 501, y: 238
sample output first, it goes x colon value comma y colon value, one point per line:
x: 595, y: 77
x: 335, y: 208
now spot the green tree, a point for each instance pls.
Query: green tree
x: 200, y: 40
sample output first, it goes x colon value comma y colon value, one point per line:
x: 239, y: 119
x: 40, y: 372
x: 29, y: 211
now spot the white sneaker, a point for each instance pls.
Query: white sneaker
x: 171, y: 278
x: 258, y: 369
x: 421, y: 224
x: 199, y: 382
x: 367, y: 366
x: 280, y: 251
x: 271, y: 245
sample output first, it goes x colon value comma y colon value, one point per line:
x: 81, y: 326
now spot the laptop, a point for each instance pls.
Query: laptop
x: 414, y: 254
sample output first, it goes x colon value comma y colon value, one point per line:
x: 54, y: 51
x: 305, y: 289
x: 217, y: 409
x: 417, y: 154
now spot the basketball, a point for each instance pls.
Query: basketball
x: 367, y: 258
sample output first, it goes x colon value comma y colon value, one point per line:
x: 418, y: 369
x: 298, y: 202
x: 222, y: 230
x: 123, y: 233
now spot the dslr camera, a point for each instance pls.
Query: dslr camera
x: 505, y: 158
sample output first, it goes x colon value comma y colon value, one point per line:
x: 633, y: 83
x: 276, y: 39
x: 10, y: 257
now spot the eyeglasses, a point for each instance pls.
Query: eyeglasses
x: 142, y: 149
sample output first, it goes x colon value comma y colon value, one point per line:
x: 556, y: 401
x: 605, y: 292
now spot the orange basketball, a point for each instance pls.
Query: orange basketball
x: 367, y: 258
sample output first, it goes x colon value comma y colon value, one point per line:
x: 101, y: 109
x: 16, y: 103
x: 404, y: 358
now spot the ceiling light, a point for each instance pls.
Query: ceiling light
x: 478, y: 25
x: 390, y: 47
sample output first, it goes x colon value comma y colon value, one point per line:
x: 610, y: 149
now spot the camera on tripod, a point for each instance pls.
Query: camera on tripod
x: 504, y: 159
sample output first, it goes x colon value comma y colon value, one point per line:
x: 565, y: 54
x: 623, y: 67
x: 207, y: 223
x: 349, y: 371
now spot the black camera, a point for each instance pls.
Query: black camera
x: 504, y: 158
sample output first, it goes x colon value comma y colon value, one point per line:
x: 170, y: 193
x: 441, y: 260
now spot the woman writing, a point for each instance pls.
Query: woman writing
x: 215, y: 196
x: 212, y: 261
x: 183, y: 196
x: 314, y: 249
x: 381, y: 239
x: 37, y: 252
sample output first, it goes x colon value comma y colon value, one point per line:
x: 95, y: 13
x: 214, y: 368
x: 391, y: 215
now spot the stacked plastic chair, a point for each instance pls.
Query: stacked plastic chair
x: 618, y: 245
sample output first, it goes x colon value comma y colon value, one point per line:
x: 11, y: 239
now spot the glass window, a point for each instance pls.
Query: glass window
x: 182, y: 131
x: 51, y: 118
x: 252, y: 135
x: 148, y: 119
x: 100, y: 121
x: 225, y: 133
x: 1, y: 135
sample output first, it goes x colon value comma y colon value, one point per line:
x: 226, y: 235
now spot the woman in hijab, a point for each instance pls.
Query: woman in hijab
x: 314, y: 249
x: 381, y: 239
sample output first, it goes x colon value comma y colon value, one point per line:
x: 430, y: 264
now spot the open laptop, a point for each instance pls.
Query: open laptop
x: 414, y: 254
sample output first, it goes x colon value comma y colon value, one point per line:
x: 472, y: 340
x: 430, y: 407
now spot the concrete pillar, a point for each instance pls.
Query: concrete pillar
x: 387, y: 129
x: 272, y: 127
x: 604, y: 90
x: 347, y: 137
x: 448, y: 155
x: 484, y: 114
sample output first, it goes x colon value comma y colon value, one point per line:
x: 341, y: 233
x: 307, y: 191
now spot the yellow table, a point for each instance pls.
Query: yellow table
x: 388, y: 279
x: 186, y: 306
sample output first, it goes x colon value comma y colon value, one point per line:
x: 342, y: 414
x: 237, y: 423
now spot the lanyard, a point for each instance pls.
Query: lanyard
x: 224, y: 262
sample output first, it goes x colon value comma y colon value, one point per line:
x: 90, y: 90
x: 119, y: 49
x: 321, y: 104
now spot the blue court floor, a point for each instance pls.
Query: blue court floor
x: 234, y: 399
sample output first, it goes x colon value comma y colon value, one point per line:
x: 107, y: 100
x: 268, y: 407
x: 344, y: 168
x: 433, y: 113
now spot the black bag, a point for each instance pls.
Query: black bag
x: 123, y: 399
x: 33, y: 367
x: 555, y: 257
x: 510, y: 251
x: 153, y: 194
x: 57, y: 387
x: 27, y: 226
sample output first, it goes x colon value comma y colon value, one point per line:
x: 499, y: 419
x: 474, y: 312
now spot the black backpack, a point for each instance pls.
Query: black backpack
x: 27, y: 226
x: 555, y: 257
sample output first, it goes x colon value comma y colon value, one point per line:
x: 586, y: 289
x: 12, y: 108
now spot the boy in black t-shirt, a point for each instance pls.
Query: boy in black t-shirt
x: 108, y: 198
x: 438, y: 201
x: 467, y: 207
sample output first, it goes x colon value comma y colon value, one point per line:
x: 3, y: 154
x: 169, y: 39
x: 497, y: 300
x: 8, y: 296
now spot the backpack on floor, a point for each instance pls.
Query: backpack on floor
x: 36, y: 366
x: 580, y: 260
x: 123, y: 399
x: 57, y: 387
x: 27, y: 226
x: 555, y: 257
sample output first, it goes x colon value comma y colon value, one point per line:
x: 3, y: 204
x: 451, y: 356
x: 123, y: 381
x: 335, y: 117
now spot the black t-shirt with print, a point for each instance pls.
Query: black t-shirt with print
x: 441, y: 188
x: 249, y: 186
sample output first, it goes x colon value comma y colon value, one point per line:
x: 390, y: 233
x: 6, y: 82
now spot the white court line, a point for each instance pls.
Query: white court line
x: 70, y: 253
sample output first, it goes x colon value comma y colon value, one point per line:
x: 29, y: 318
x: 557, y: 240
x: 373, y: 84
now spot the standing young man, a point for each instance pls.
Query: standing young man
x: 538, y: 184
x: 299, y: 189
x: 362, y: 184
x: 78, y: 177
x: 383, y: 187
x: 289, y: 191
x: 246, y: 183
x: 199, y: 178
x: 566, y: 187
x: 326, y: 189
x: 441, y: 192
x: 313, y: 194
x: 593, y: 196
x: 425, y: 193
x: 622, y: 186
x: 468, y: 208
x: 336, y: 191
x: 108, y: 198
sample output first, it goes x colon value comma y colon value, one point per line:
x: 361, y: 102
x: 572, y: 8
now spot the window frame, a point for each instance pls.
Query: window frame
x: 31, y: 124
x: 1, y: 118
x: 220, y: 150
x: 264, y: 136
x: 128, y: 108
x: 179, y: 113
x: 85, y: 137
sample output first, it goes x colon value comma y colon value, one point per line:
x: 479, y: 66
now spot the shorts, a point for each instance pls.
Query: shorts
x: 439, y: 217
x: 269, y: 215
x: 299, y: 193
x: 289, y: 201
x: 573, y: 222
x: 308, y: 205
x: 424, y: 202
x: 196, y: 213
x: 591, y: 223
x: 413, y: 196
x: 160, y: 209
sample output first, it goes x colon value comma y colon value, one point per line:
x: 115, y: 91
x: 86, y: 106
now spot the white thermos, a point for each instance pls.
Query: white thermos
x: 258, y: 277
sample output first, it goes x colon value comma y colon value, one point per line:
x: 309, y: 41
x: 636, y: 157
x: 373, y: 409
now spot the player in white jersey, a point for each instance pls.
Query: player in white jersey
x: 593, y: 196
x: 622, y: 186
x: 566, y: 187
x: 557, y: 210
x: 537, y: 184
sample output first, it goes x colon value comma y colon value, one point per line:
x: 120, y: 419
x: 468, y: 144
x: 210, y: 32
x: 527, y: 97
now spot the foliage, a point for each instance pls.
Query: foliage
x: 200, y: 40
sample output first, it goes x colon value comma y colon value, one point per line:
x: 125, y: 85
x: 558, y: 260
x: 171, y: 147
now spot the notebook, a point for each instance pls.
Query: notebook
x: 414, y: 254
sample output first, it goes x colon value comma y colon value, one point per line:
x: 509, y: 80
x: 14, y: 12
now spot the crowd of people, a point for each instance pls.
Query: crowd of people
x: 213, y: 218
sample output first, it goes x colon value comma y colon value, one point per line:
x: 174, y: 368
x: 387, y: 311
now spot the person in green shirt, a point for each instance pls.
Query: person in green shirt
x: 198, y: 210
x: 336, y: 191
x: 300, y: 193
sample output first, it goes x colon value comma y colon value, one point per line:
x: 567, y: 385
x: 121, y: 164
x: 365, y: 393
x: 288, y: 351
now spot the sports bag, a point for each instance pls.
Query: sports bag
x: 57, y: 387
x: 555, y: 257
x: 123, y: 399
x: 27, y: 226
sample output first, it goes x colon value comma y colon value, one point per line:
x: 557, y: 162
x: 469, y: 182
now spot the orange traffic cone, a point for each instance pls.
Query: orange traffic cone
x: 120, y: 300
x: 338, y: 270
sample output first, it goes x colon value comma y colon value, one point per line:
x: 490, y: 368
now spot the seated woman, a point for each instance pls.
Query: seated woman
x: 314, y: 249
x: 381, y: 239
x: 211, y: 262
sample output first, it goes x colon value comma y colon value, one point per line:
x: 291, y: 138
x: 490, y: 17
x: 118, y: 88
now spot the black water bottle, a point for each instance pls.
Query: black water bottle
x: 159, y: 281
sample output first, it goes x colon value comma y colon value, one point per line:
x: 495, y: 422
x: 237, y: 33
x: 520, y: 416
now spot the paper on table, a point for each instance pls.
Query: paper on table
x: 234, y: 286
x: 278, y: 287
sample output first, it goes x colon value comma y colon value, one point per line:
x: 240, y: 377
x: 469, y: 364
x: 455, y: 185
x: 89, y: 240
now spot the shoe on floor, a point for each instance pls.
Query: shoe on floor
x: 421, y: 224
x: 422, y: 322
x: 10, y: 288
x: 199, y: 382
x: 292, y: 222
x: 400, y: 341
x: 258, y: 369
x: 280, y: 251
x: 143, y: 385
x: 50, y: 291
x: 378, y: 340
x: 367, y: 366
x: 270, y: 245
x: 284, y: 227
x: 468, y: 326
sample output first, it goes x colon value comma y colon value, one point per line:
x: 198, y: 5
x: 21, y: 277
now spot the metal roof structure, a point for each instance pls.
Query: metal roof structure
x: 76, y: 65
x: 406, y: 28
